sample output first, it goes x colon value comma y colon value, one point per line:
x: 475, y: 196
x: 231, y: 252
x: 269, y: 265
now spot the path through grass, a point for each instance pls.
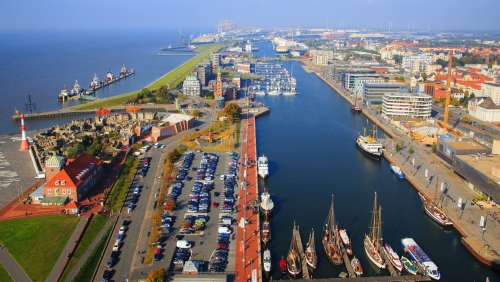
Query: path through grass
x: 4, y: 275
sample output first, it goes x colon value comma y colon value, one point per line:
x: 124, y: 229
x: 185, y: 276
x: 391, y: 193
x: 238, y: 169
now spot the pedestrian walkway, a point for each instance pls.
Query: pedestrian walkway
x: 61, y: 262
x: 89, y: 250
x: 13, y: 268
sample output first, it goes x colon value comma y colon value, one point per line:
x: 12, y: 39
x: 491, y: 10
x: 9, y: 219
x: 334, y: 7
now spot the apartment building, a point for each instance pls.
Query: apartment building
x: 491, y: 90
x: 412, y: 62
x: 191, y: 85
x: 373, y: 92
x: 407, y: 105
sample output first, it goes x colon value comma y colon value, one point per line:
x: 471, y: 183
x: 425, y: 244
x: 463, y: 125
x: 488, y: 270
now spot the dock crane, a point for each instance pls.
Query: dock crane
x: 182, y: 36
x: 447, y: 101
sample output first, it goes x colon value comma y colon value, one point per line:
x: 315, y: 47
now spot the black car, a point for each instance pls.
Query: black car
x: 216, y: 270
x: 183, y: 256
x: 222, y: 251
x: 105, y: 275
x: 179, y: 237
x: 220, y: 256
x: 216, y: 194
x: 114, y: 254
x: 161, y: 239
x: 187, y: 231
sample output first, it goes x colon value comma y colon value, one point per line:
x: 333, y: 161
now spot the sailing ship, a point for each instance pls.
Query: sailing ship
x: 266, y: 204
x: 293, y: 259
x: 311, y: 257
x: 267, y: 262
x: 433, y: 211
x: 408, y: 265
x: 330, y: 238
x: 345, y: 240
x: 354, y: 107
x: 266, y: 231
x: 369, y: 145
x: 372, y: 241
x: 356, y: 266
x: 393, y: 257
x: 283, y: 267
x: 262, y: 166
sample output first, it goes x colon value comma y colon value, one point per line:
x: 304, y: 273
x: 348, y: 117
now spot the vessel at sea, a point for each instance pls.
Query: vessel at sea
x: 267, y: 262
x: 397, y: 171
x: 408, y: 265
x: 266, y: 231
x: 345, y: 239
x: 262, y: 166
x: 311, y: 257
x: 373, y: 240
x: 393, y: 257
x: 421, y: 258
x: 356, y: 266
x: 266, y: 204
x: 369, y: 145
x: 330, y: 238
x: 293, y: 259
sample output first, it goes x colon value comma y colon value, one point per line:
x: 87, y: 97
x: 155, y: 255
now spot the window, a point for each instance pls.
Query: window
x: 49, y: 191
x: 57, y: 182
x: 63, y: 182
x: 69, y: 192
x: 71, y: 198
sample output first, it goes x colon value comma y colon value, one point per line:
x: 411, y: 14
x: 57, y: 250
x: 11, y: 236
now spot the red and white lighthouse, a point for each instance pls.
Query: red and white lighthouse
x: 25, y: 144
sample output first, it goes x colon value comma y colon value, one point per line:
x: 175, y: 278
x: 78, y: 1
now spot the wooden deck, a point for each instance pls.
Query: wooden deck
x: 305, y: 270
x: 345, y: 257
x: 391, y: 268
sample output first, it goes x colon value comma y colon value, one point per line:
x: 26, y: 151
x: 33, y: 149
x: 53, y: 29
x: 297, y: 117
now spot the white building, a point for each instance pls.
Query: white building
x: 358, y: 84
x: 191, y: 86
x: 491, y: 90
x: 484, y: 109
x: 320, y: 60
x: 374, y: 92
x: 411, y: 62
x: 407, y: 105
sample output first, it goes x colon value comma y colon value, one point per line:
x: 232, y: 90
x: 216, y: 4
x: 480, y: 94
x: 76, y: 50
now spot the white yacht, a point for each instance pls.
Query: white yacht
x: 262, y: 166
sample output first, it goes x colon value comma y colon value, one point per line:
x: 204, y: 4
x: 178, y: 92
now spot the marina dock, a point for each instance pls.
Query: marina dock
x: 345, y: 257
x: 415, y: 278
x: 296, y: 234
x: 390, y: 267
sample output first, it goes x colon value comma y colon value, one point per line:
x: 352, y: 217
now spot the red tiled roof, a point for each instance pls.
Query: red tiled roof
x: 71, y: 171
x: 473, y: 70
x: 383, y: 70
x: 72, y: 205
x: 445, y: 77
x: 469, y: 84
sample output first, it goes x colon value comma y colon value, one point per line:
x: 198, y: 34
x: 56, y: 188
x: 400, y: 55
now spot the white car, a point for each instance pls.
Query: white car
x: 136, y: 191
x: 122, y: 230
x: 222, y: 177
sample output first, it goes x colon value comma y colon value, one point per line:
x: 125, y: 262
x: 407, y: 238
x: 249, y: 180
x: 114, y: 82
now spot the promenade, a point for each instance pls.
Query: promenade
x: 426, y: 172
x: 248, y: 252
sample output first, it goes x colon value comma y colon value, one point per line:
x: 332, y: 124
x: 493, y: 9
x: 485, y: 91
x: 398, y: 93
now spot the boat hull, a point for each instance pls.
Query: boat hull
x: 408, y: 266
x: 428, y: 210
x: 395, y: 262
x: 334, y: 261
x: 399, y: 175
x: 376, y: 156
x: 379, y: 264
x: 356, y: 109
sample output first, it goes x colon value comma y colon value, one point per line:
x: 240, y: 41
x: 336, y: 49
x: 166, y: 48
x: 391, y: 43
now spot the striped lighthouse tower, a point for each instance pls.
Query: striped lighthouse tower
x: 25, y: 145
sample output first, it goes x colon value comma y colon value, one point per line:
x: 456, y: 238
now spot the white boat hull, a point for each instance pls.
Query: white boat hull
x: 372, y: 259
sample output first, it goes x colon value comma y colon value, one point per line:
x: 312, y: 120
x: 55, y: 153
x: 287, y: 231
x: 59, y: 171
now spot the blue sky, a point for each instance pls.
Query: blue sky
x: 103, y: 14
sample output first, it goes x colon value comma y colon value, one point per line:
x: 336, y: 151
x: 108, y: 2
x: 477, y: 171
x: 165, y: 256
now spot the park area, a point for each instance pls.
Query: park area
x: 37, y: 242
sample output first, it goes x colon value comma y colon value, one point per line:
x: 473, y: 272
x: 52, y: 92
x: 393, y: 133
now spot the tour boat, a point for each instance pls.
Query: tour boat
x: 408, y: 265
x: 393, y: 257
x: 345, y: 240
x: 372, y: 241
x: 262, y: 166
x: 311, y: 257
x: 266, y: 204
x: 330, y: 240
x: 267, y: 262
x: 397, y: 171
x: 421, y: 258
x: 356, y: 266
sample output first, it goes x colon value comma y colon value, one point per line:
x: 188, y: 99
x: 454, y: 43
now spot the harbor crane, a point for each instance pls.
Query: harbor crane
x: 182, y: 36
x: 447, y: 101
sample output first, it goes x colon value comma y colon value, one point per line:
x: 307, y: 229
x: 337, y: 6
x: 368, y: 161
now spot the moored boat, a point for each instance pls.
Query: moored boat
x: 372, y: 241
x: 421, y: 258
x: 64, y: 93
x: 283, y: 267
x: 397, y: 171
x: 369, y: 145
x: 94, y: 82
x: 293, y: 259
x: 433, y: 211
x: 109, y: 76
x: 262, y: 166
x: 330, y: 238
x: 311, y: 257
x: 266, y: 204
x: 393, y: 257
x: 356, y: 266
x: 267, y: 262
x: 345, y: 240
x: 266, y: 231
x: 408, y: 265
x: 76, y: 89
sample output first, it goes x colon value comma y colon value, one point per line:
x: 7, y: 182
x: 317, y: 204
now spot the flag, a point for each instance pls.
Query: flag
x: 413, y: 162
x: 459, y: 204
x: 367, y: 121
x: 481, y: 222
x: 442, y: 187
x: 426, y: 172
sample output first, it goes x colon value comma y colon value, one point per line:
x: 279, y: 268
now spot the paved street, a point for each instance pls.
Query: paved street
x: 13, y: 268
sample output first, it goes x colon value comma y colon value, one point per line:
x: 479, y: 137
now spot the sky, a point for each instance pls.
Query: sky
x: 374, y: 14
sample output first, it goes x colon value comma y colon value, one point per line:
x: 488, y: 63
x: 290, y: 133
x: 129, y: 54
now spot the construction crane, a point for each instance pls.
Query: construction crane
x: 447, y: 101
x: 182, y: 36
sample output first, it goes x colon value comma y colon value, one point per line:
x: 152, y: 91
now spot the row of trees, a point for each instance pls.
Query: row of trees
x: 469, y: 58
x: 161, y: 95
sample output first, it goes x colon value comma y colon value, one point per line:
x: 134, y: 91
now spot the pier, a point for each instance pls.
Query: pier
x: 390, y: 267
x: 345, y: 257
x: 302, y: 255
x: 415, y: 278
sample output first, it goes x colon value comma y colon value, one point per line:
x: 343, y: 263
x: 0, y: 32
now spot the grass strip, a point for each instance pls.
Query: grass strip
x: 172, y: 78
x: 37, y: 242
x: 88, y: 237
x: 118, y: 193
x: 87, y: 271
x: 4, y: 275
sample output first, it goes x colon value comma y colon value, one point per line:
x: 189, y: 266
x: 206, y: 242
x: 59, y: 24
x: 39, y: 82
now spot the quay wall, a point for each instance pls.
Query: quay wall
x: 477, y: 247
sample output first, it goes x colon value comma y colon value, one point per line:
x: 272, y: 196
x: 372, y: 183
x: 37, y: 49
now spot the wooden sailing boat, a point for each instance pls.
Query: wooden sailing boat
x: 330, y: 238
x: 311, y: 257
x: 433, y: 211
x: 293, y: 259
x: 354, y: 107
x: 372, y: 241
x: 356, y: 266
x: 266, y: 231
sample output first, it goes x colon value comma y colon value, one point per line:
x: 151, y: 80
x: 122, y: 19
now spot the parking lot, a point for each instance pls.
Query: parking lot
x: 197, y: 219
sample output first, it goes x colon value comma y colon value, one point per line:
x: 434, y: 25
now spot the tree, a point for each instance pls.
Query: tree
x: 196, y: 113
x: 309, y: 42
x: 143, y: 93
x: 424, y: 76
x: 156, y: 220
x: 466, y: 94
x: 202, y: 132
x: 232, y: 111
x: 411, y: 151
x: 156, y: 275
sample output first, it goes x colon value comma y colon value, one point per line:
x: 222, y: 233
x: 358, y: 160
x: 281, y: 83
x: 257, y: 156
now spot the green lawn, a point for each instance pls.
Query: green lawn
x: 173, y: 78
x: 4, y: 275
x: 87, y: 271
x: 37, y: 242
x: 118, y: 193
x: 88, y: 237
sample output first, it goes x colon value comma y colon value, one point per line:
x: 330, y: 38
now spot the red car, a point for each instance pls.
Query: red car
x: 158, y: 251
x: 221, y: 246
x: 214, y: 205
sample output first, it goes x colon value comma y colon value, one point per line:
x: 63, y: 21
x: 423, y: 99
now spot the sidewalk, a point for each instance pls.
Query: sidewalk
x: 15, y: 271
x: 89, y: 250
x: 61, y: 262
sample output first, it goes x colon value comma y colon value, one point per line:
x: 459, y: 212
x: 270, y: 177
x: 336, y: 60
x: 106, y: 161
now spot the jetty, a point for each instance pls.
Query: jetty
x: 300, y: 249
x: 390, y: 267
x: 415, y: 278
x: 345, y: 257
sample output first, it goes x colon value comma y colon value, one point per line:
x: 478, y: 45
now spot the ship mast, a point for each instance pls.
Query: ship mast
x: 437, y: 181
x: 379, y: 229
x: 374, y: 220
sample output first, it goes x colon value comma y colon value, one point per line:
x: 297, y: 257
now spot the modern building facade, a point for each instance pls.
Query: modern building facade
x: 173, y: 125
x: 349, y: 76
x: 215, y: 58
x: 191, y: 86
x: 491, y: 90
x: 204, y: 72
x: 407, y: 105
x: 373, y: 92
x: 410, y: 61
